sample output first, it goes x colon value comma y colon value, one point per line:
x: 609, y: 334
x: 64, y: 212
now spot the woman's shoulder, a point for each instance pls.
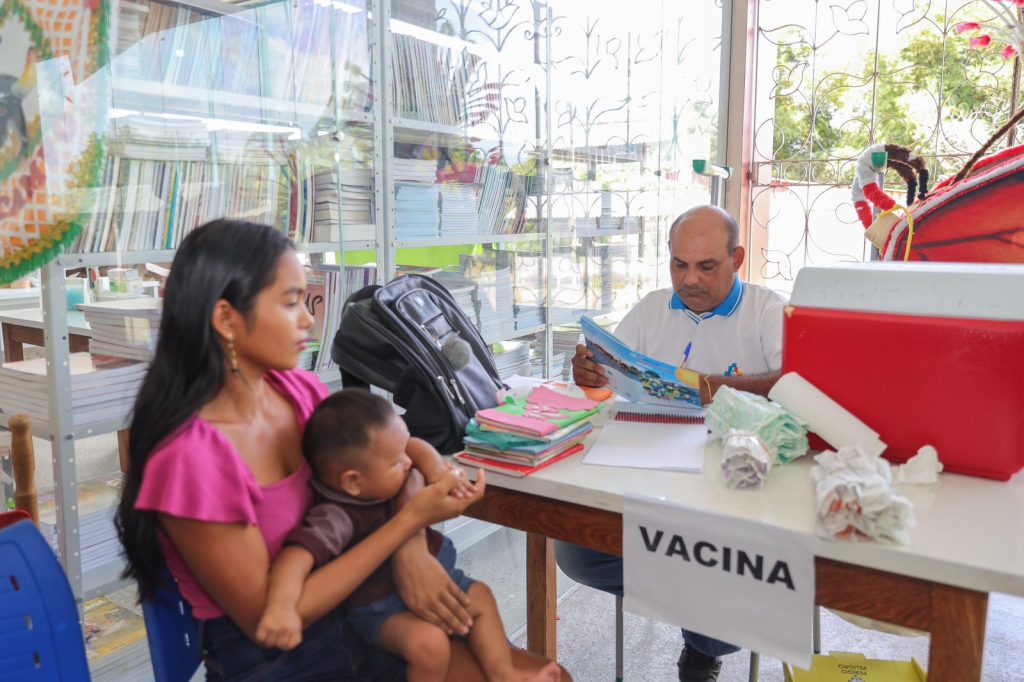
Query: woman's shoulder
x: 303, y: 387
x: 193, y: 472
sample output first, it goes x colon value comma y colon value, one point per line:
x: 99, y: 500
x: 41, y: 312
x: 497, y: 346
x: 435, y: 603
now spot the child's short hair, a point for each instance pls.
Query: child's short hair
x: 338, y: 431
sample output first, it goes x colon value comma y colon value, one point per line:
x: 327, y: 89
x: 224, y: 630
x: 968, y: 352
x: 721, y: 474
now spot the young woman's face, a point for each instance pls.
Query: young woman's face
x: 277, y: 330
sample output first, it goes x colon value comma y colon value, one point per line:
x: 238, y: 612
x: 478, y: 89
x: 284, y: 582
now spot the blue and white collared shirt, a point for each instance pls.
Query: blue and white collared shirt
x: 744, y: 330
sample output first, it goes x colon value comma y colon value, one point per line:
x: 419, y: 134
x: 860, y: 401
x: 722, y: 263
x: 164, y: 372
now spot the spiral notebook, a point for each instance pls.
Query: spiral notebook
x: 644, y: 413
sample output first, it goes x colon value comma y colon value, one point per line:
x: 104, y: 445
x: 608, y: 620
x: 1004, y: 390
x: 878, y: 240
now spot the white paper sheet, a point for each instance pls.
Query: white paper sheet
x: 825, y: 417
x: 674, y: 447
x: 740, y: 581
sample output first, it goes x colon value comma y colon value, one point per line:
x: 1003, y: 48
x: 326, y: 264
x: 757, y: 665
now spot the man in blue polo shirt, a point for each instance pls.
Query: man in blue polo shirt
x: 728, y: 331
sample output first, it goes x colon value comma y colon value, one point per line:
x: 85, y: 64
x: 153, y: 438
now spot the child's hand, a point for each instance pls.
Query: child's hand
x: 463, y: 487
x: 435, y: 503
x: 280, y: 627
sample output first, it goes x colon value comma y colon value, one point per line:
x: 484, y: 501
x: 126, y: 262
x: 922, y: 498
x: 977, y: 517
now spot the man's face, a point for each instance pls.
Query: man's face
x: 702, y: 266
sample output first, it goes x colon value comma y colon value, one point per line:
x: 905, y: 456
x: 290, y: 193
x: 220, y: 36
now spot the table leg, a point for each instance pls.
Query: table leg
x: 122, y: 449
x: 541, y: 597
x: 957, y: 634
x: 13, y: 350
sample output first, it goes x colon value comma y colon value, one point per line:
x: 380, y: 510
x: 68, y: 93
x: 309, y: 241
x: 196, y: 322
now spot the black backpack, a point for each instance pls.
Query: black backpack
x: 399, y: 337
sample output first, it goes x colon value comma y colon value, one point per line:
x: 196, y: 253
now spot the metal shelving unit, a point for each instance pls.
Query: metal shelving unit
x: 526, y: 122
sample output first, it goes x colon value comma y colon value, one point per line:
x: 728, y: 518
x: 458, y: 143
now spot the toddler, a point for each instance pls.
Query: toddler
x: 363, y: 458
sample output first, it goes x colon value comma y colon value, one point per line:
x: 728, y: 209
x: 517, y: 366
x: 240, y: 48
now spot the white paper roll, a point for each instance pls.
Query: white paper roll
x: 824, y: 416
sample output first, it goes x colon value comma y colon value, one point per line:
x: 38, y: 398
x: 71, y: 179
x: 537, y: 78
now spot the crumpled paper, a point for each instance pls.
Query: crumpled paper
x: 855, y: 497
x: 783, y: 433
x: 746, y: 461
x: 921, y: 469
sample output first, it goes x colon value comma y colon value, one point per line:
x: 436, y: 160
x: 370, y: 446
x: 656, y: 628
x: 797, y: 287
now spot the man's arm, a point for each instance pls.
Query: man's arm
x: 756, y: 383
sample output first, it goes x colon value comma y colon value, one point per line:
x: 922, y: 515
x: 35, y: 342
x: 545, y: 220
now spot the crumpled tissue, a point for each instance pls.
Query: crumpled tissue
x: 783, y: 433
x: 746, y: 462
x: 921, y: 469
x: 855, y: 497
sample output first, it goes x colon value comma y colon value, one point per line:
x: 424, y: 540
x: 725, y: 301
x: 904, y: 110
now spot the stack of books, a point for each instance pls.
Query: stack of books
x: 462, y: 289
x: 563, y: 342
x: 417, y: 211
x: 115, y: 642
x: 511, y: 358
x: 102, y: 388
x: 527, y: 433
x: 458, y: 210
x: 353, y: 210
x: 125, y: 328
x: 97, y: 537
x: 495, y: 294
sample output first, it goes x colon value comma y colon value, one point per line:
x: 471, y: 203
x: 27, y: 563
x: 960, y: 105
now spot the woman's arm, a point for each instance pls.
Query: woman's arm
x: 236, y: 574
x: 423, y: 584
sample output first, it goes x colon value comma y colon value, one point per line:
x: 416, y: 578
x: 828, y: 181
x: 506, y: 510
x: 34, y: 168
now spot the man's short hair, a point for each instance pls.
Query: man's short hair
x: 728, y: 222
x: 338, y: 432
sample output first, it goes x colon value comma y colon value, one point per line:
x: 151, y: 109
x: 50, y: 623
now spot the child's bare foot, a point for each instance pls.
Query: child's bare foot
x: 549, y: 673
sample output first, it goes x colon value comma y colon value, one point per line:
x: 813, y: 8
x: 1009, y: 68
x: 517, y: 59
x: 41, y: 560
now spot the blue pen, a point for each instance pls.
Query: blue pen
x: 686, y: 353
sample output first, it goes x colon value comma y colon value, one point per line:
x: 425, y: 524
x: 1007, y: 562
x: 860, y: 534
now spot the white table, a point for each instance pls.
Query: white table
x: 968, y: 541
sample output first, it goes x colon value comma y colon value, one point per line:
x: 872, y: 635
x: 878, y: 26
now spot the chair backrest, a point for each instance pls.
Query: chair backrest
x: 173, y: 634
x: 40, y: 636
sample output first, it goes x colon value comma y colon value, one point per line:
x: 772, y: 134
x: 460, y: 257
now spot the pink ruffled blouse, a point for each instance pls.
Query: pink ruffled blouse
x: 196, y: 473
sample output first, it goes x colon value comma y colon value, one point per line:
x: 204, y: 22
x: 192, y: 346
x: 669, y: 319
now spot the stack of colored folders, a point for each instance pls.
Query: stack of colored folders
x: 527, y: 433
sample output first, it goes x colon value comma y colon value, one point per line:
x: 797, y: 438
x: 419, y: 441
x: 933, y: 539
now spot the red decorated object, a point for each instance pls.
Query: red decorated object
x: 977, y: 220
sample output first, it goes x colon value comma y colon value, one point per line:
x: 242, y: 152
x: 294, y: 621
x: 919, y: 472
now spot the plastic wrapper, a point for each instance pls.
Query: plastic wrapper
x: 784, y: 434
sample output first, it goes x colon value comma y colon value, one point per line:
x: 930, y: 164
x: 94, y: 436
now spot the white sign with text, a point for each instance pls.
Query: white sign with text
x: 736, y: 580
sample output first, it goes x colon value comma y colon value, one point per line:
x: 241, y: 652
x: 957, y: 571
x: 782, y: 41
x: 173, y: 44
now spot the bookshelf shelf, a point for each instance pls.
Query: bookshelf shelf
x: 412, y: 124
x: 207, y: 103
x: 469, y: 239
x: 106, y: 258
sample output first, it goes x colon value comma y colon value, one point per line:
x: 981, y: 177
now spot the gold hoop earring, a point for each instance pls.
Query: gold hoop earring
x: 232, y: 358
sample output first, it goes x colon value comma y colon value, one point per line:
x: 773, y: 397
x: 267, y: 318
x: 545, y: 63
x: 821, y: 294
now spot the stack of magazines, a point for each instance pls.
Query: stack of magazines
x: 115, y: 642
x: 102, y: 388
x: 528, y: 432
x: 124, y: 328
x: 97, y: 537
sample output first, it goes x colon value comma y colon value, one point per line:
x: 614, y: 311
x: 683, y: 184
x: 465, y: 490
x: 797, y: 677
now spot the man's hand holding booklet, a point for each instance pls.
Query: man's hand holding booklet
x: 639, y: 378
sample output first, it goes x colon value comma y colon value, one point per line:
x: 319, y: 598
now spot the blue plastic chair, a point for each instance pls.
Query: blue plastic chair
x: 40, y: 636
x: 173, y: 634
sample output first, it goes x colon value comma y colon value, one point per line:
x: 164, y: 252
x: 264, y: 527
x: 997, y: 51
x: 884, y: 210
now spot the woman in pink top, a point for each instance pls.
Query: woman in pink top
x: 217, y: 478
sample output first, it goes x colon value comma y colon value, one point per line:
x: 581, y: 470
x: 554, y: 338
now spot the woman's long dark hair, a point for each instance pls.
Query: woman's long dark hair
x: 223, y: 259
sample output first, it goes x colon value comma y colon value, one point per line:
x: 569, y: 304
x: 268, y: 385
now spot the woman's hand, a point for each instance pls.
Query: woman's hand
x: 427, y: 591
x: 435, y: 503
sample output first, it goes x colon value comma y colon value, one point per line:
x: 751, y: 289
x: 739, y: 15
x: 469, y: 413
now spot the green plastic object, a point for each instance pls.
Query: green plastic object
x: 784, y: 434
x: 702, y: 167
x: 878, y: 160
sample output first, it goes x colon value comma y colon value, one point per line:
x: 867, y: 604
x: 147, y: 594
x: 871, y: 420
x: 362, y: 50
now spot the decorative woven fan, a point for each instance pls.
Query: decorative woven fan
x: 53, y: 98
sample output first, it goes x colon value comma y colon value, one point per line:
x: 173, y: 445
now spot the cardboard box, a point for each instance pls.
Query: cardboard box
x: 842, y: 666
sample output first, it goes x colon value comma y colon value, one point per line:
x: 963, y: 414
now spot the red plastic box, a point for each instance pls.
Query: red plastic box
x: 923, y: 353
